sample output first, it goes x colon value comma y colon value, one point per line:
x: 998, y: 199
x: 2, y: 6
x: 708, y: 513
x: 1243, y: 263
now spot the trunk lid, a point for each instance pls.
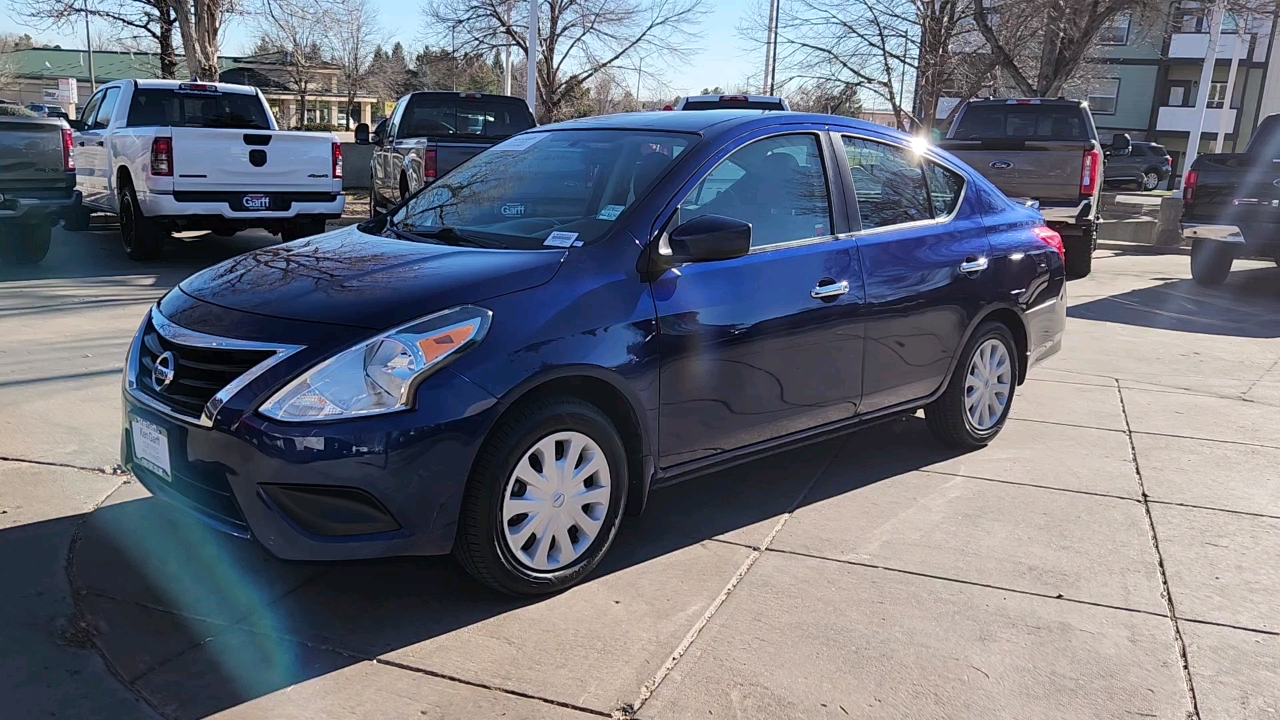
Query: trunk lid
x: 31, y: 153
x: 216, y: 159
x: 1044, y: 170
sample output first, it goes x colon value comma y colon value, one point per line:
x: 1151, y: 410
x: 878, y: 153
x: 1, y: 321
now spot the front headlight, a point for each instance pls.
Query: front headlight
x: 380, y: 374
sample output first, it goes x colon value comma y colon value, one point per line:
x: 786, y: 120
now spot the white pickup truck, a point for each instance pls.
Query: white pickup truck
x: 167, y: 156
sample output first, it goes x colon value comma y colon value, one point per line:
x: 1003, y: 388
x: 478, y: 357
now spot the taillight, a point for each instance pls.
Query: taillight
x: 1089, y: 171
x: 1050, y: 237
x: 68, y: 158
x: 162, y: 157
x: 337, y: 161
x: 667, y: 107
x: 429, y: 166
x: 1189, y: 185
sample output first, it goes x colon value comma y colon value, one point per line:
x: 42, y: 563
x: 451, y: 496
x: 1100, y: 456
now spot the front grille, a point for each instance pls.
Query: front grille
x: 199, y: 373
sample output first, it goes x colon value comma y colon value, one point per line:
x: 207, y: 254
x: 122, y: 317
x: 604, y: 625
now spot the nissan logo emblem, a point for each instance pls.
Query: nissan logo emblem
x: 1001, y: 165
x: 163, y: 370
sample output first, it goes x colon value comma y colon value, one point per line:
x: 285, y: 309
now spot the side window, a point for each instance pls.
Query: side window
x: 777, y: 184
x: 944, y: 188
x: 103, y: 118
x: 91, y: 111
x: 394, y: 124
x: 888, y: 182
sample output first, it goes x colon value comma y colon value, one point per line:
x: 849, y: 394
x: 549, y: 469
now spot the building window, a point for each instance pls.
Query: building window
x: 1177, y: 96
x: 1102, y: 96
x: 342, y: 116
x: 1217, y: 94
x: 1115, y: 31
x: 1194, y: 17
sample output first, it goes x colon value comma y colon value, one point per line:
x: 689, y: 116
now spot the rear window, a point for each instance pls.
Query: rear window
x: 732, y: 105
x: 464, y: 118
x: 155, y: 107
x: 1030, y: 122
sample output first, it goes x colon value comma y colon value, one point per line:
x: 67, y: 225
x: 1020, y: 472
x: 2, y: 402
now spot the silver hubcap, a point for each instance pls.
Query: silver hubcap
x: 1152, y: 180
x: 556, y: 500
x: 987, y: 386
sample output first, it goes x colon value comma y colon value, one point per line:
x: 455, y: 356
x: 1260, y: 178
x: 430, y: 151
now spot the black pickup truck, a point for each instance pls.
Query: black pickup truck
x: 37, y: 184
x: 1231, y: 205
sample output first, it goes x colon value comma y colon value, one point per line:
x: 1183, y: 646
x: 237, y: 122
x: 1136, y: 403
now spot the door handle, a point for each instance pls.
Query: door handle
x: 830, y: 290
x: 99, y: 143
x: 973, y: 266
x: 81, y: 143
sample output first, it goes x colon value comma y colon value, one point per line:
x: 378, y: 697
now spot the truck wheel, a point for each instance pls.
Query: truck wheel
x: 27, y: 245
x: 76, y: 221
x: 302, y: 228
x: 141, y: 237
x: 1211, y: 261
x: 1078, y: 249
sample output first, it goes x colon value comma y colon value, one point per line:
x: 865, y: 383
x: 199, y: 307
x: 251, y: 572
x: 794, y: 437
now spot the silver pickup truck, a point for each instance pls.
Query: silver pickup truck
x: 37, y: 184
x: 1045, y: 151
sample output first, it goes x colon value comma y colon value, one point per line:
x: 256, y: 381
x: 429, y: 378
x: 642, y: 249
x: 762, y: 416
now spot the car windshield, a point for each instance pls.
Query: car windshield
x: 157, y: 107
x: 433, y: 115
x: 560, y: 188
x: 1030, y: 122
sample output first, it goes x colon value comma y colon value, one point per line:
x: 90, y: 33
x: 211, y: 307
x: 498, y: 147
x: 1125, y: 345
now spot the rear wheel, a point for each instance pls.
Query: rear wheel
x: 973, y: 408
x: 544, y: 499
x: 1211, y: 261
x: 1150, y: 180
x: 1078, y: 248
x: 302, y: 228
x: 76, y: 221
x: 26, y: 244
x: 141, y: 237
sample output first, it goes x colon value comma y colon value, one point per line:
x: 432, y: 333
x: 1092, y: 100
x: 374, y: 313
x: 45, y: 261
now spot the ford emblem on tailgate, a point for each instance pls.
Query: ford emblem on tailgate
x: 1001, y: 165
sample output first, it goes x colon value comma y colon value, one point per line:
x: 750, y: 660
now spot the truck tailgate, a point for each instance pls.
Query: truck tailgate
x: 31, y: 154
x: 213, y: 159
x: 450, y: 155
x: 1045, y: 170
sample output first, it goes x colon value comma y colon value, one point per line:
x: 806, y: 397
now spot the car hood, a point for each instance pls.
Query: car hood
x: 349, y: 277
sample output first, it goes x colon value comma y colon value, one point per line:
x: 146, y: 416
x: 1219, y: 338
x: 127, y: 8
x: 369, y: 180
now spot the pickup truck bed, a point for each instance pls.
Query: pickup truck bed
x: 37, y: 184
x: 1231, y: 205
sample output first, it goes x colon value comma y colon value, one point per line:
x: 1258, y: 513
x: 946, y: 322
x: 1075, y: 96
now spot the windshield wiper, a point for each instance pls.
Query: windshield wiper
x: 444, y: 234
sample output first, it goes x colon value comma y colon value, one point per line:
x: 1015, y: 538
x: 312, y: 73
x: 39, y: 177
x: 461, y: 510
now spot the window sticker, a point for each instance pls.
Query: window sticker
x: 610, y: 212
x: 561, y: 239
x: 520, y: 142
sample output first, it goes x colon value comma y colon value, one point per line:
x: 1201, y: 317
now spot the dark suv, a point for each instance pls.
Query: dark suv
x: 1145, y: 166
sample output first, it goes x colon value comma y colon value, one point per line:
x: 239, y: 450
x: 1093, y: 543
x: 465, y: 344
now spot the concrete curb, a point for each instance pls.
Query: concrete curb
x: 1143, y: 248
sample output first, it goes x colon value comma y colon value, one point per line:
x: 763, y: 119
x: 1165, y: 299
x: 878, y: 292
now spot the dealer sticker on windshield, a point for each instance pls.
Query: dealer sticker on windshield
x: 610, y: 212
x: 520, y: 142
x: 561, y: 239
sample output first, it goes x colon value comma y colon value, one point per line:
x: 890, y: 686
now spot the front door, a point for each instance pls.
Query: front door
x: 768, y: 344
x: 925, y: 257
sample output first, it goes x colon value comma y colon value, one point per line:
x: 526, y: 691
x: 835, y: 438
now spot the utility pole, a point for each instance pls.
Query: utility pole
x: 88, y: 41
x: 639, y: 75
x: 1206, y: 78
x: 506, y: 58
x: 531, y: 83
x: 771, y: 49
x: 1231, y: 87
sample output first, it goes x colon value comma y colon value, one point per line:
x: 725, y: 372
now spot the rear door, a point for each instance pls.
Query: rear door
x: 925, y: 257
x: 768, y: 344
x: 1026, y: 150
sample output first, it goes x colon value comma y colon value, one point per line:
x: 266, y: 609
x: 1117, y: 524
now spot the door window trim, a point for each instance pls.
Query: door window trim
x: 856, y: 214
x: 836, y: 201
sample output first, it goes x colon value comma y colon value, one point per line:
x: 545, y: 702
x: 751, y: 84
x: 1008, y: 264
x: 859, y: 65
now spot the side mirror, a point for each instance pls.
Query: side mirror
x: 379, y: 134
x: 710, y: 237
x: 1120, y: 144
x: 75, y: 124
x: 362, y: 134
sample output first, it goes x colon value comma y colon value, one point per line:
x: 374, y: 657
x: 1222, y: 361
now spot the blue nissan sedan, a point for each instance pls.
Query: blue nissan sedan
x: 505, y: 364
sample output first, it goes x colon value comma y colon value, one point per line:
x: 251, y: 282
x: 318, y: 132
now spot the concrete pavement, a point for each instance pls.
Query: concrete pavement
x: 1113, y: 554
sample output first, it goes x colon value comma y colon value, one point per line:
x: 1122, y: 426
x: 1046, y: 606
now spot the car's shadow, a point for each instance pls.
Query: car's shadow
x: 152, y: 584
x: 1247, y: 305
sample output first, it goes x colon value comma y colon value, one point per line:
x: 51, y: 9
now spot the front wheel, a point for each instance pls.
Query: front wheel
x: 973, y: 408
x: 1211, y: 261
x: 27, y: 244
x: 544, y: 499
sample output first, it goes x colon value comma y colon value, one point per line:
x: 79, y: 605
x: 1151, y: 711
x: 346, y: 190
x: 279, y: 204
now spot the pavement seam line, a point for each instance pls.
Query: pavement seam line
x: 109, y: 470
x: 626, y: 712
x: 1192, y: 506
x: 1165, y: 591
x: 491, y: 688
x: 1265, y: 373
x: 1151, y: 432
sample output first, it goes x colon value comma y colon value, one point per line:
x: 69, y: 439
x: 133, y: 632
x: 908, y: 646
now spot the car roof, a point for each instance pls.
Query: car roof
x: 708, y: 122
x: 730, y: 96
x: 174, y: 84
x: 1027, y: 101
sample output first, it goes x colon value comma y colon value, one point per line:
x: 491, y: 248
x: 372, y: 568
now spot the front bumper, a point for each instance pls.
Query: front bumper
x: 159, y: 205
x: 18, y: 208
x: 412, y: 464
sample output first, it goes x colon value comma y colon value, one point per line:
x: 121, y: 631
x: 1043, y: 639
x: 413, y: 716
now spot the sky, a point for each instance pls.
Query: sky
x: 724, y: 59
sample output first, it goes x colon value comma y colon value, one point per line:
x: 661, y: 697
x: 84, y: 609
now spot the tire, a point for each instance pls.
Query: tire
x: 949, y: 418
x: 1211, y: 262
x: 1078, y: 249
x: 27, y: 244
x: 76, y: 221
x: 142, y: 239
x: 373, y: 205
x: 1150, y: 180
x: 404, y: 186
x: 302, y: 228
x: 484, y: 544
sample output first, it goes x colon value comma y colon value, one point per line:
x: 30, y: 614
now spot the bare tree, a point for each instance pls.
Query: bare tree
x: 578, y: 39
x: 299, y: 31
x: 200, y: 23
x: 143, y: 25
x: 355, y: 35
